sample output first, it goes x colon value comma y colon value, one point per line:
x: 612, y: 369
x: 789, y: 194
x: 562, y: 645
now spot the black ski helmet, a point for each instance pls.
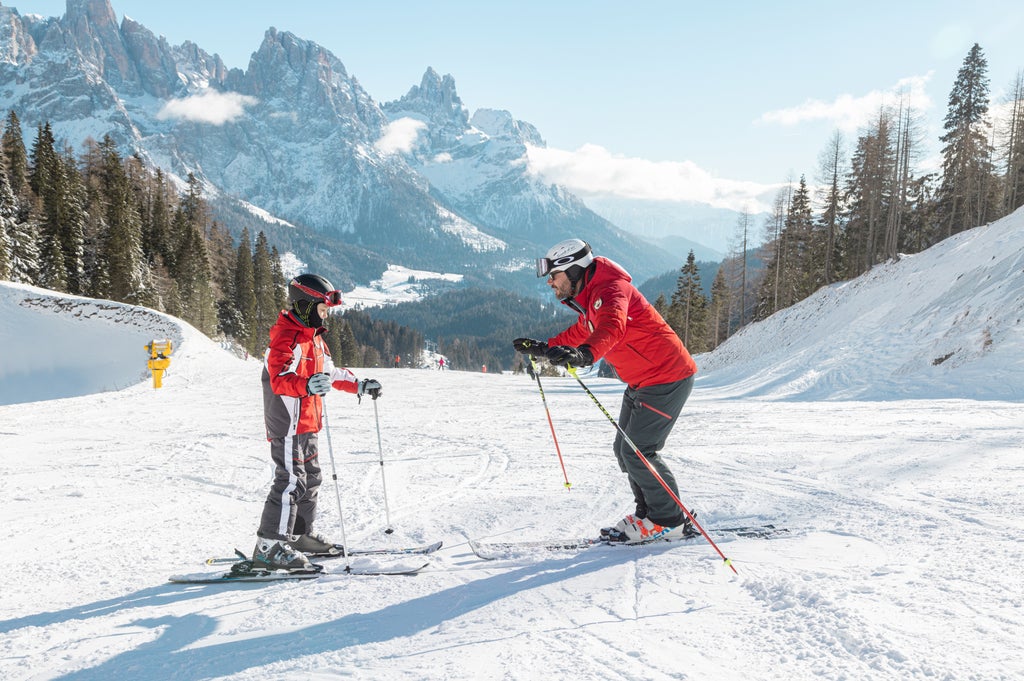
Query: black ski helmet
x: 306, y: 292
x: 314, y: 288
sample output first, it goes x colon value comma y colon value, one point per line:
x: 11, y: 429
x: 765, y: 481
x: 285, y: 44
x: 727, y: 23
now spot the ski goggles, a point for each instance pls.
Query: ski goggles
x: 331, y: 298
x: 547, y: 266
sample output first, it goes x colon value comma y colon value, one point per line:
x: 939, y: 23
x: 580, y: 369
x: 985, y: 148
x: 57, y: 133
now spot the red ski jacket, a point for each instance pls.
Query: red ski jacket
x: 296, y: 352
x: 617, y: 323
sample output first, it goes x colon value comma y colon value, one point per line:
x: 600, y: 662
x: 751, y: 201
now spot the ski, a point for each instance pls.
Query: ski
x: 235, y: 577
x: 245, y: 573
x: 423, y: 549
x: 496, y: 550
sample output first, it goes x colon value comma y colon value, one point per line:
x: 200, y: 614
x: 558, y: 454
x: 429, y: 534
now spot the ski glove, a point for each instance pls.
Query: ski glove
x: 370, y: 387
x: 566, y: 355
x: 529, y: 346
x: 319, y: 384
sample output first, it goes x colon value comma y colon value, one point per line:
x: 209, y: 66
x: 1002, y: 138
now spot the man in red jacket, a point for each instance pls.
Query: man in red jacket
x: 297, y: 373
x: 617, y: 323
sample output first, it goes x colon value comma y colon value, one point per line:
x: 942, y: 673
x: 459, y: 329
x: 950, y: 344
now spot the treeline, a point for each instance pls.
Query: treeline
x: 866, y: 210
x: 379, y: 342
x: 474, y: 327
x: 104, y: 226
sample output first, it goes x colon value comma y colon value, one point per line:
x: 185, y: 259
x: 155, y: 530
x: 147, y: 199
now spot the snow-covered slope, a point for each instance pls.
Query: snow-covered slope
x: 57, y: 345
x: 902, y: 560
x: 945, y: 323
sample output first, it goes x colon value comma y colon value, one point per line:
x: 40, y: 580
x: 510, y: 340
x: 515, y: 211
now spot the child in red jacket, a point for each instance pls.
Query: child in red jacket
x: 297, y: 373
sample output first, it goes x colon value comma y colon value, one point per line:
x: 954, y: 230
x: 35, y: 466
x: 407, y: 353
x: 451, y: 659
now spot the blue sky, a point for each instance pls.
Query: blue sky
x: 683, y: 100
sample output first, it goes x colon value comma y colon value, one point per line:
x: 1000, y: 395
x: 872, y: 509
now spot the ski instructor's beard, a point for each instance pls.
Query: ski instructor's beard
x: 562, y: 287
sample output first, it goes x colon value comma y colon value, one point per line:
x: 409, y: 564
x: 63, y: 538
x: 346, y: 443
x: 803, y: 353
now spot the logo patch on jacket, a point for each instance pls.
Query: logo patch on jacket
x: 597, y: 304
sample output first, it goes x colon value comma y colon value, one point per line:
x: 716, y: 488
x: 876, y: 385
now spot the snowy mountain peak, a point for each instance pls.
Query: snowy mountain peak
x: 17, y: 46
x: 91, y: 27
x: 500, y: 123
x: 435, y: 99
x: 296, y: 135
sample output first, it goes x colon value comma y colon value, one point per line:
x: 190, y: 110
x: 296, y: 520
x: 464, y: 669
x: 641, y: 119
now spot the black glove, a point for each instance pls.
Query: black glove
x: 567, y: 355
x: 370, y: 387
x: 529, y: 346
x: 319, y: 384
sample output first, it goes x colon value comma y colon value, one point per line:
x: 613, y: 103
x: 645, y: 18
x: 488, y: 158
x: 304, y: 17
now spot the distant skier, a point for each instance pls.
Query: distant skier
x: 297, y: 373
x: 618, y: 324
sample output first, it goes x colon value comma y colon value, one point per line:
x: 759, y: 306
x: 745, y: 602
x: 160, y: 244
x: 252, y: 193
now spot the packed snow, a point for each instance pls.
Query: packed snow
x: 898, y: 476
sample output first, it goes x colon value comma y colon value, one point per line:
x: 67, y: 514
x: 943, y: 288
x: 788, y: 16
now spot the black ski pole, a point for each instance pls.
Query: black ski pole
x: 657, y: 476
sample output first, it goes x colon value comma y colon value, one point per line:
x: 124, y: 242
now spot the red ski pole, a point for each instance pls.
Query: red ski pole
x: 657, y: 476
x: 536, y: 375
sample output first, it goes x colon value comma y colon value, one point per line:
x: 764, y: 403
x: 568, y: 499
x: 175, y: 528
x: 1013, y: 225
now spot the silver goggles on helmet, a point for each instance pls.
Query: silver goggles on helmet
x: 545, y: 266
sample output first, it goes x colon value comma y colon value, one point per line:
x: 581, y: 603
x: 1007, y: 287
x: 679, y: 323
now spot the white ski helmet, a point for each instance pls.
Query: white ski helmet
x: 564, y: 256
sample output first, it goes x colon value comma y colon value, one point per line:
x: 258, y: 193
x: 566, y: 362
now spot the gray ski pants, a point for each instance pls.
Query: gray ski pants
x: 291, y: 505
x: 647, y: 416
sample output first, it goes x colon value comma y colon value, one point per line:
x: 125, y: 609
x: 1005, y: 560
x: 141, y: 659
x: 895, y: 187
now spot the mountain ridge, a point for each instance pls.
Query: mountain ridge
x: 298, y: 137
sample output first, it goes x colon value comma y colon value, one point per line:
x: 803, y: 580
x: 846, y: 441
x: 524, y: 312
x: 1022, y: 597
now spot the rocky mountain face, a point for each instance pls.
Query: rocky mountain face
x: 297, y: 136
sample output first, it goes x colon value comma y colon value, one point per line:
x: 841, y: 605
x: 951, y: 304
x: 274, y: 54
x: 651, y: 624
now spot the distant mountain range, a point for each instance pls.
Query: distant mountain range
x: 297, y: 145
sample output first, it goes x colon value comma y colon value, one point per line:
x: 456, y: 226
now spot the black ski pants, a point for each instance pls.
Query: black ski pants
x: 647, y: 417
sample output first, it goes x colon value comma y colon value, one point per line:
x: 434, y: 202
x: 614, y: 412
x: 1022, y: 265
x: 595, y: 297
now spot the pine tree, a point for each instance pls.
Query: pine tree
x: 73, y: 218
x: 718, y: 312
x: 867, y: 196
x: 197, y: 301
x: 45, y: 181
x: 157, y: 224
x: 829, y: 178
x: 244, y: 298
x: 264, y: 287
x: 1013, y: 185
x: 805, y: 261
x: 661, y: 306
x: 905, y: 142
x: 22, y: 242
x: 280, y: 285
x: 14, y: 154
x: 122, y: 248
x: 768, y: 298
x: 967, y: 183
x: 8, y: 213
x: 687, y: 313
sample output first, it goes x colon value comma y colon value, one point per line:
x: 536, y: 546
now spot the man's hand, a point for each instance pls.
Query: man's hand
x: 530, y: 346
x: 567, y: 355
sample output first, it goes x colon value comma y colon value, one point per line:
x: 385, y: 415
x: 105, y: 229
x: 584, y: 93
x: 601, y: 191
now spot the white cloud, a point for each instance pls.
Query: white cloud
x: 399, y: 136
x: 209, y: 106
x: 594, y: 170
x: 848, y: 113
